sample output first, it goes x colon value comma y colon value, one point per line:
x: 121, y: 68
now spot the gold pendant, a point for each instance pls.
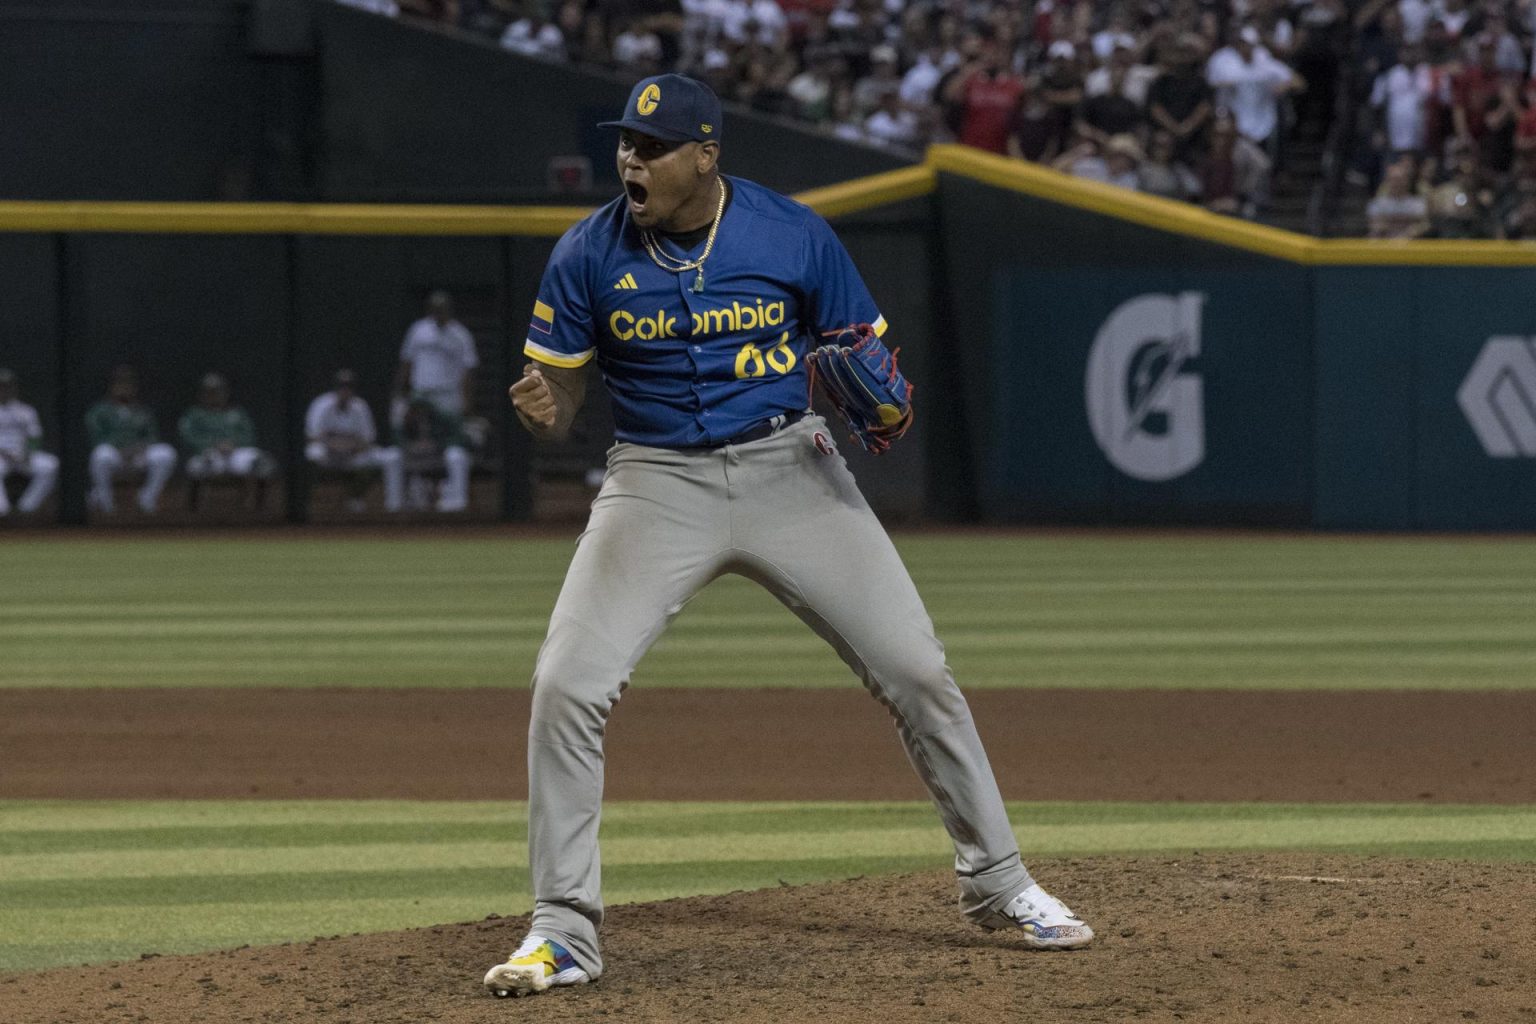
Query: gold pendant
x: 698, y: 282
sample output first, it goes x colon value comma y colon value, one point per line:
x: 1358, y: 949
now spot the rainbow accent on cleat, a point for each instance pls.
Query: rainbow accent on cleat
x: 551, y: 954
x: 538, y: 964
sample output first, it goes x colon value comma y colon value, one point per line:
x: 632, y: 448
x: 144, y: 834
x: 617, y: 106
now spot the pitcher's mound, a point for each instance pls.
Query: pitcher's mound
x: 1201, y: 938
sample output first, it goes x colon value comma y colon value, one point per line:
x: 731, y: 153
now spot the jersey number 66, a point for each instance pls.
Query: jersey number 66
x: 751, y: 362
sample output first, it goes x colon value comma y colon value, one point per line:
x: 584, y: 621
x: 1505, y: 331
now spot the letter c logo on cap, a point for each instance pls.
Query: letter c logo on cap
x: 649, y: 99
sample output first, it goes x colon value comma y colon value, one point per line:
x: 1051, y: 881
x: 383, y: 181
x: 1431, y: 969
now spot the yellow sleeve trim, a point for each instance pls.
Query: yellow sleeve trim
x: 543, y: 311
x: 538, y: 352
x: 880, y: 327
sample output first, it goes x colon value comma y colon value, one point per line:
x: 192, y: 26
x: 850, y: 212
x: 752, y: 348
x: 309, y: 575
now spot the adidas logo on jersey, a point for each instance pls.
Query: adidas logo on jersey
x: 626, y: 284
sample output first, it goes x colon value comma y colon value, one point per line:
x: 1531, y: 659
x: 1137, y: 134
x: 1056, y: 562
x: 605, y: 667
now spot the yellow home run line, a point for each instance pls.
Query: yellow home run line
x: 1181, y: 219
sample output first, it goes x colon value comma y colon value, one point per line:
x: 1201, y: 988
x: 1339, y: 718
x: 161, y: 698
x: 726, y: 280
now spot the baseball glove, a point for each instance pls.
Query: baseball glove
x: 860, y: 377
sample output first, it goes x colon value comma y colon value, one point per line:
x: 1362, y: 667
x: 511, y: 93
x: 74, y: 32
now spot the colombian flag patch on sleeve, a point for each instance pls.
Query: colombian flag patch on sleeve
x: 543, y: 317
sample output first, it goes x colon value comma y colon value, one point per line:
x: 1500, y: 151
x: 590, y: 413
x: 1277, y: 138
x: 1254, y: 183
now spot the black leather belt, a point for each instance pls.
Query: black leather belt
x: 767, y: 428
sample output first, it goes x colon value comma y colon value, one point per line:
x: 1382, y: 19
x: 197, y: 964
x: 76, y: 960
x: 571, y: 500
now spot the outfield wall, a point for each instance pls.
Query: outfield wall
x: 277, y: 298
x: 1083, y: 354
x: 1129, y: 360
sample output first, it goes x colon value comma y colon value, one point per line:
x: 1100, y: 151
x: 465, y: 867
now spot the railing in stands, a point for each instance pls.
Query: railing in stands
x: 1338, y: 148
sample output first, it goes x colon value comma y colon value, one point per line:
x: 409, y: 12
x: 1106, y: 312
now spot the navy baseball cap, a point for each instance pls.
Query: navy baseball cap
x: 672, y: 107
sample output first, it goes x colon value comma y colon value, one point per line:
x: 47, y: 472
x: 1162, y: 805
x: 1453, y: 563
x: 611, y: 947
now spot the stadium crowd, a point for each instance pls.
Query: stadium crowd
x: 1451, y: 131
x: 1189, y: 99
x: 1180, y: 98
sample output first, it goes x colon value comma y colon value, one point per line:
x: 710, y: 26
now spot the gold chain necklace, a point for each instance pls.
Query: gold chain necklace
x: 666, y: 261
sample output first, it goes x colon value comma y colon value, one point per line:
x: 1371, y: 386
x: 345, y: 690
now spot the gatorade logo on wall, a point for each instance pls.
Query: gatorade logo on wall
x: 1499, y: 397
x: 1145, y: 407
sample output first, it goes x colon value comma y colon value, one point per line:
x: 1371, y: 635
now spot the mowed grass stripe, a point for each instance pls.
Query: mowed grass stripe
x: 300, y: 825
x: 99, y: 901
x: 186, y: 866
x: 1034, y: 610
x: 173, y: 824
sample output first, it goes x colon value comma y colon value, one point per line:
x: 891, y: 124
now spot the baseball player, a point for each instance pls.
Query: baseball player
x: 21, y: 439
x: 124, y: 434
x: 219, y: 438
x: 339, y: 433
x: 437, y: 360
x: 701, y: 296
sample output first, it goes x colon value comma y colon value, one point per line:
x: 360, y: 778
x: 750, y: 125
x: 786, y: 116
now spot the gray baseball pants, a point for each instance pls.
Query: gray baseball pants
x: 778, y: 511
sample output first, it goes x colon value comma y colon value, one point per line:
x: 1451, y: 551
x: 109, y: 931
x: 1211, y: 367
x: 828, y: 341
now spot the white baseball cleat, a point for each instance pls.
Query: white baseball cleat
x: 1045, y: 921
x: 538, y: 964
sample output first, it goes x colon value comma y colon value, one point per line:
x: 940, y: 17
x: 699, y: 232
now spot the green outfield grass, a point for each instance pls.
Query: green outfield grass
x: 90, y: 881
x: 1161, y: 610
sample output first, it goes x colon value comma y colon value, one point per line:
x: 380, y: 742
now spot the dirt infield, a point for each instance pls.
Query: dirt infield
x: 1203, y: 939
x: 770, y: 745
x: 1220, y: 938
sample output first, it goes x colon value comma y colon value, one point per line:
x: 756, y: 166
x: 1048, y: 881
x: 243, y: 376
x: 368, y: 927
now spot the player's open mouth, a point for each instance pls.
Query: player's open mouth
x: 637, y: 194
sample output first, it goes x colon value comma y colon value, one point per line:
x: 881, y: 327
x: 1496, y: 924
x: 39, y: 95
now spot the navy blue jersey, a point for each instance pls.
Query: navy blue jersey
x: 690, y: 368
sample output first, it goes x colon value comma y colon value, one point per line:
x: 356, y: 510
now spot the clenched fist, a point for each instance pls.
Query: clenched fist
x: 533, y: 400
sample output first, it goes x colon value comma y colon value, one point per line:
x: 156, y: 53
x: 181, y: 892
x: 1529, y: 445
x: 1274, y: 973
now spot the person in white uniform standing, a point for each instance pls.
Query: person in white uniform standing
x: 21, y: 438
x: 436, y: 360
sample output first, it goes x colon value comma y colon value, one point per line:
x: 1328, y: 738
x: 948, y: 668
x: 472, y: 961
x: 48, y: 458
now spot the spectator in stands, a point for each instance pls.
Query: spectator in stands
x: 892, y: 123
x: 21, y: 449
x: 431, y: 440
x: 534, y: 35
x: 845, y: 122
x: 1397, y: 211
x: 1250, y: 84
x: 1402, y: 96
x: 437, y: 360
x: 1235, y: 172
x: 1115, y: 35
x: 1463, y: 205
x: 1163, y: 174
x: 1475, y: 91
x: 637, y: 50
x: 764, y: 82
x: 1416, y: 16
x: 1043, y: 126
x: 1180, y: 101
x: 811, y: 91
x: 1517, y: 206
x: 1110, y: 112
x: 920, y: 80
x: 1525, y: 128
x: 1276, y: 33
x: 1123, y: 75
x: 1453, y: 15
x: 123, y: 435
x: 1503, y: 114
x: 586, y: 38
x: 718, y: 71
x: 988, y: 95
x: 759, y: 21
x: 666, y: 19
x: 219, y: 440
x: 1508, y: 54
x: 1379, y: 42
x: 1113, y: 163
x: 339, y: 434
x: 882, y: 80
x: 1323, y: 40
